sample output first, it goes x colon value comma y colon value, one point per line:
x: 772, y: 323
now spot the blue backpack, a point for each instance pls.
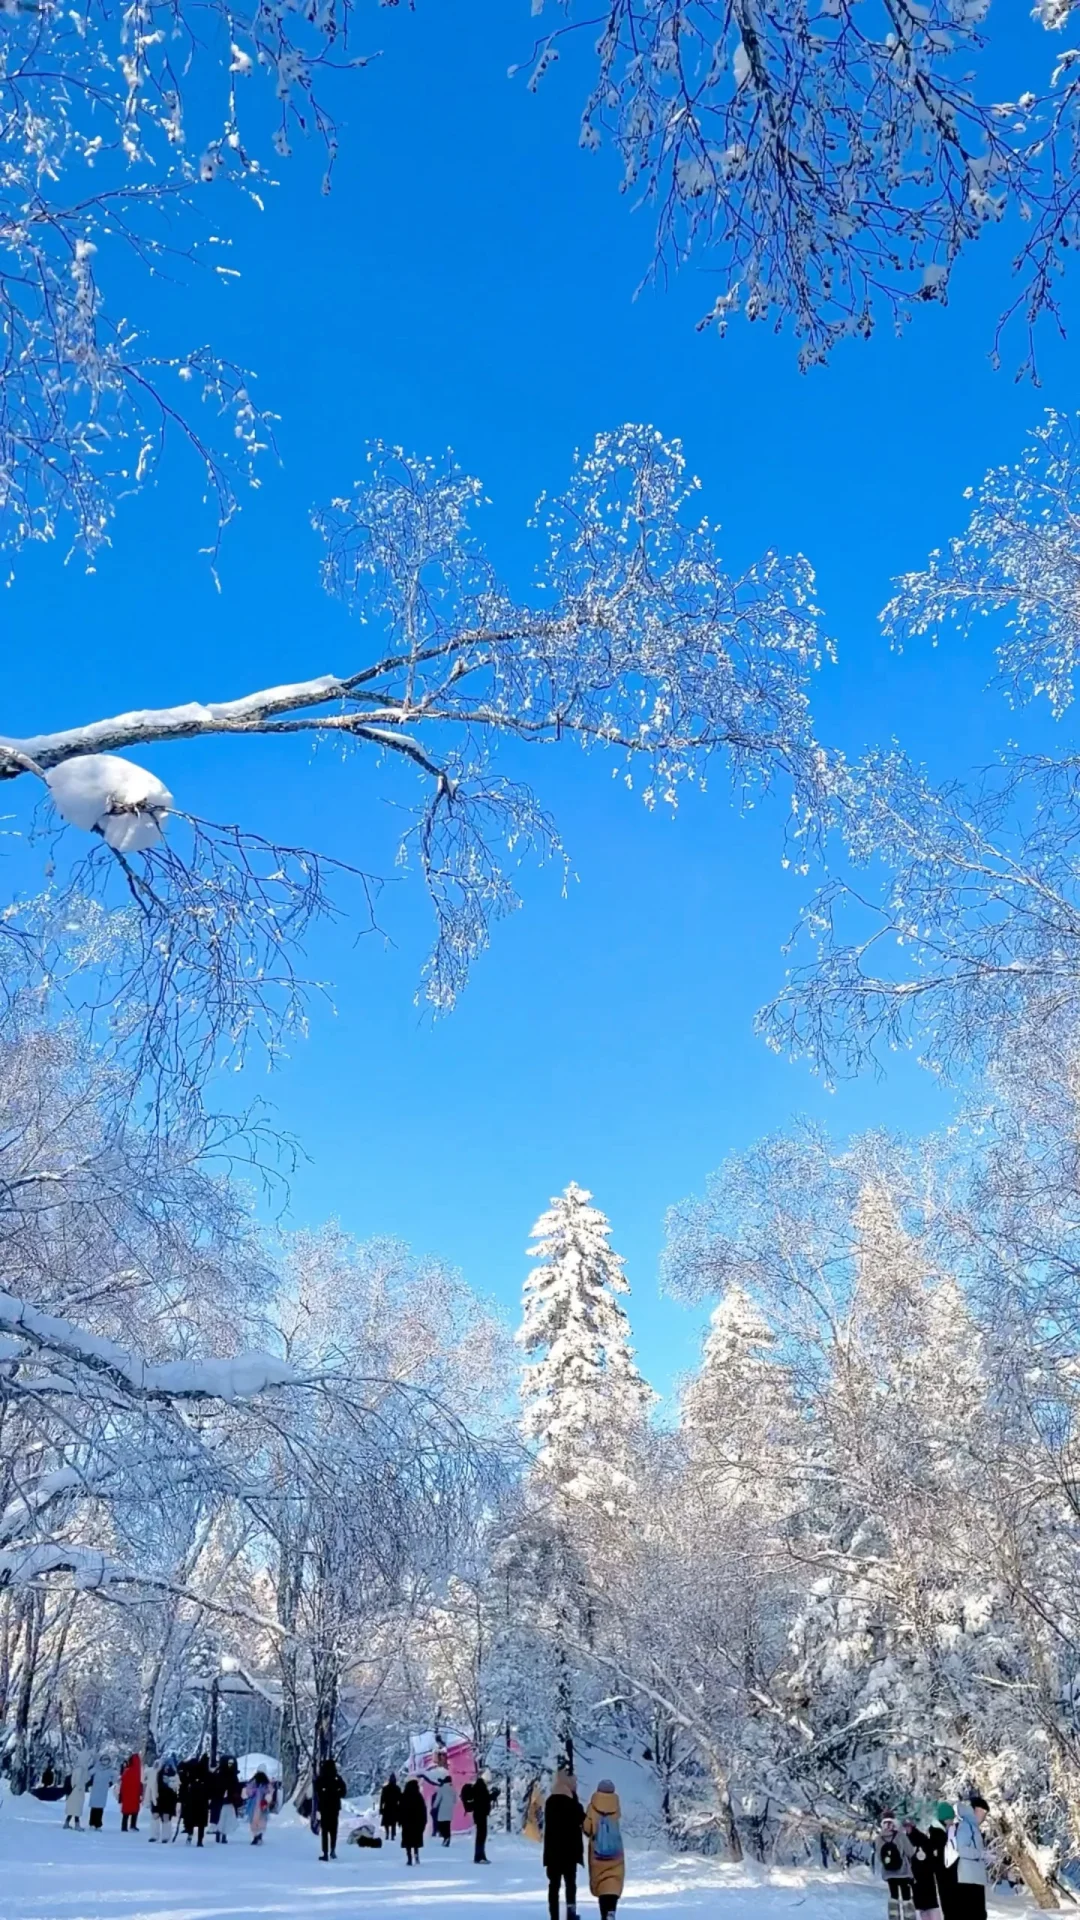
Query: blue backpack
x: 607, y: 1840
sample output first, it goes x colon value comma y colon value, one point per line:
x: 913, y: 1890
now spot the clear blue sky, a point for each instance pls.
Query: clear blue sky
x: 470, y: 283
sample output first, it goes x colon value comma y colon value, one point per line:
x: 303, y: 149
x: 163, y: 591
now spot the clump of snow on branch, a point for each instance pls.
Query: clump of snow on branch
x: 102, y: 793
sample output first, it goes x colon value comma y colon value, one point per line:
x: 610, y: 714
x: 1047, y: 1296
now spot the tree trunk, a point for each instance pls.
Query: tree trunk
x: 288, y: 1607
x: 727, y: 1815
x: 1020, y: 1853
x: 20, y: 1762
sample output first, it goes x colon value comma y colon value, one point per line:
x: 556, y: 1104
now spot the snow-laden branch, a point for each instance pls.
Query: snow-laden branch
x: 226, y: 1380
x: 837, y: 161
x: 637, y: 641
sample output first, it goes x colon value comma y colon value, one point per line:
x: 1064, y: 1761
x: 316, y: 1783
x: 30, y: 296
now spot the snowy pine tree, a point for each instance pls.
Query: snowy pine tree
x: 584, y: 1402
x: 584, y: 1411
x: 737, y: 1411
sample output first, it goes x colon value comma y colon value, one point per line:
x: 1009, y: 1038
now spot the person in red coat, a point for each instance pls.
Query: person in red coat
x: 130, y: 1794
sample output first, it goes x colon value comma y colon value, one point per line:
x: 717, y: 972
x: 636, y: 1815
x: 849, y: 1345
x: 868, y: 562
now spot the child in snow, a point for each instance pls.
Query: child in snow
x: 607, y: 1858
x: 894, y: 1865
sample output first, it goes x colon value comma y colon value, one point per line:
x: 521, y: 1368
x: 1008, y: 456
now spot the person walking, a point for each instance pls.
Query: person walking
x: 476, y: 1799
x: 923, y: 1877
x: 412, y: 1818
x: 442, y: 1808
x: 76, y: 1793
x: 390, y: 1807
x: 130, y: 1794
x: 229, y: 1795
x: 165, y: 1802
x: 972, y: 1858
x: 564, y: 1816
x: 257, y: 1806
x: 894, y: 1866
x: 330, y: 1791
x: 607, y: 1857
x: 195, y: 1797
x: 100, y: 1782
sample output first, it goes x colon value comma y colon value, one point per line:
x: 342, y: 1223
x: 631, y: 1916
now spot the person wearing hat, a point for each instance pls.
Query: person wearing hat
x: 607, y: 1859
x: 972, y: 1858
x: 563, y: 1852
x: 944, y: 1874
x: 894, y: 1866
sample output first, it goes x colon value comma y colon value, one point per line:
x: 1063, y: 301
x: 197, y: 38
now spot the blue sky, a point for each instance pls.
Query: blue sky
x: 470, y: 282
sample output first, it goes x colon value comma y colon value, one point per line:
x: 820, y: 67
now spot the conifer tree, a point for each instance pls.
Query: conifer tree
x: 584, y: 1410
x: 584, y: 1402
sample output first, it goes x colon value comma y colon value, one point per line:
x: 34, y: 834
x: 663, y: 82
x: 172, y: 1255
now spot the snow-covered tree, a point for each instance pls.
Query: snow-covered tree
x: 636, y: 640
x: 836, y: 163
x: 584, y: 1402
x: 969, y: 944
x: 737, y: 1409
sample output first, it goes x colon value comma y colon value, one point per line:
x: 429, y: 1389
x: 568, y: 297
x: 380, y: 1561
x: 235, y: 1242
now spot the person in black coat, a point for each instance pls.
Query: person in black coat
x: 924, y: 1895
x: 412, y: 1819
x: 945, y: 1876
x: 563, y: 1851
x: 195, y: 1797
x: 390, y: 1807
x: 476, y: 1798
x: 330, y: 1791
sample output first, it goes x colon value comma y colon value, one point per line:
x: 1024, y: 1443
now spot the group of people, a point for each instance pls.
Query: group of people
x: 404, y: 1809
x: 939, y: 1871
x: 192, y: 1797
x: 567, y: 1825
x: 186, y: 1796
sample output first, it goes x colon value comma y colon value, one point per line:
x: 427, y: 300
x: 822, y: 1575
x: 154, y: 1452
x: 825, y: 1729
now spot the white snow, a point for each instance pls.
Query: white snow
x: 49, y: 1874
x: 240, y: 1378
x: 106, y: 793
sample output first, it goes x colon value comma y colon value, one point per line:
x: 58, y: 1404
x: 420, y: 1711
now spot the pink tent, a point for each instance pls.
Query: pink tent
x: 456, y: 1756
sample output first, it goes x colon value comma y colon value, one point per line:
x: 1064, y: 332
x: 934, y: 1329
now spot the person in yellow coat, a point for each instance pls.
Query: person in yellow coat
x: 607, y: 1858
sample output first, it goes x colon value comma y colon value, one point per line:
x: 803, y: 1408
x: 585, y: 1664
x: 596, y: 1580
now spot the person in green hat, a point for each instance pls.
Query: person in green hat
x: 938, y: 1833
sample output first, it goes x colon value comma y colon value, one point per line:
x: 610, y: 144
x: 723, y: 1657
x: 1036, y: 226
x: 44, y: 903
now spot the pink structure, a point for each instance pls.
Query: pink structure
x: 454, y: 1755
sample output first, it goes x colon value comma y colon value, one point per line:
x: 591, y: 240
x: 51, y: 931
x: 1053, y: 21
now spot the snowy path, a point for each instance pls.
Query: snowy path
x: 47, y: 1874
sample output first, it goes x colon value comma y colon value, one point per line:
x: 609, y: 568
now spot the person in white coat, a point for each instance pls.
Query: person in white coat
x: 100, y: 1782
x: 73, y: 1805
x: 972, y: 1858
x: 442, y: 1806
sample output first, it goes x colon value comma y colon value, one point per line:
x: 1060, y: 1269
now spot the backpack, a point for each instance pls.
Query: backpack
x: 467, y: 1796
x: 607, y: 1840
x: 892, y: 1859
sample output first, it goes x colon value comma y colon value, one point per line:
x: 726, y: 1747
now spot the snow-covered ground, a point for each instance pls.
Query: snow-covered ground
x: 47, y: 1874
